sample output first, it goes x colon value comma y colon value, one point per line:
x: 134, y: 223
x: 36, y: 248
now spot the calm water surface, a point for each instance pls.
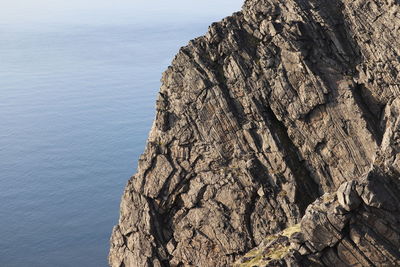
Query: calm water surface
x: 76, y: 105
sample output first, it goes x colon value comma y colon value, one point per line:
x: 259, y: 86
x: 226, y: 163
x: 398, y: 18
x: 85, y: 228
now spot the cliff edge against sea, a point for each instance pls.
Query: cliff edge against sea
x: 276, y: 143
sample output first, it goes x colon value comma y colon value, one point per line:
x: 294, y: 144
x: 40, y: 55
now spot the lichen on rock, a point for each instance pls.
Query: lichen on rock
x: 271, y: 250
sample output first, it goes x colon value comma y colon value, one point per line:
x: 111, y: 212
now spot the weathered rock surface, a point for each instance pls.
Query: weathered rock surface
x: 286, y: 112
x: 368, y: 234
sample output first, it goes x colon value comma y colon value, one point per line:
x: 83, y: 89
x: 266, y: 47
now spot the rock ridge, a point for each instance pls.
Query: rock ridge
x: 285, y: 115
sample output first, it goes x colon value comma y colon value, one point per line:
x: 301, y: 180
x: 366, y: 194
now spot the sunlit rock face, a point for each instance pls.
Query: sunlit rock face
x: 284, y: 113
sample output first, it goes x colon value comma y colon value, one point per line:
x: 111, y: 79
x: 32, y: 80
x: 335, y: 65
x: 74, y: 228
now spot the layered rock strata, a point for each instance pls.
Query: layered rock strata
x: 284, y: 113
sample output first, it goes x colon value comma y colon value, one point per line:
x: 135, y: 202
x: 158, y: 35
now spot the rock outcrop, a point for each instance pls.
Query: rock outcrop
x: 283, y: 116
x: 356, y: 226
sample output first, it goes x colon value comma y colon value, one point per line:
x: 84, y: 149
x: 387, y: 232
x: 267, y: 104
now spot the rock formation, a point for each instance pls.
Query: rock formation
x: 283, y: 116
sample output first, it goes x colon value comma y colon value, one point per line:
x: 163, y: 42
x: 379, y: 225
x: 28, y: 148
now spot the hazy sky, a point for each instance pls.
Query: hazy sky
x: 112, y: 11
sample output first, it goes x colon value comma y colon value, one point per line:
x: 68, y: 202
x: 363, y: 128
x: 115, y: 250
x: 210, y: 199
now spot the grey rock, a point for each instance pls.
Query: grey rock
x: 286, y: 112
x: 328, y: 237
x: 323, y: 223
x: 347, y: 196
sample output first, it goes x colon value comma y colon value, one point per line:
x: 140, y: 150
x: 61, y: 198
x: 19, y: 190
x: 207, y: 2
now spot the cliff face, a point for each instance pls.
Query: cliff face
x: 284, y: 113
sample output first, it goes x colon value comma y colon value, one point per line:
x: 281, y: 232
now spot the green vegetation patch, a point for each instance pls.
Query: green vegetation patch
x: 274, y: 247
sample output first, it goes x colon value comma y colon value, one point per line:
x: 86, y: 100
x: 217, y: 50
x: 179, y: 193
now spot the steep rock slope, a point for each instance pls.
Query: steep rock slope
x: 274, y: 107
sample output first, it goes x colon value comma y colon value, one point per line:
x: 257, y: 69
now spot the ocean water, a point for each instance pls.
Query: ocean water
x: 76, y: 105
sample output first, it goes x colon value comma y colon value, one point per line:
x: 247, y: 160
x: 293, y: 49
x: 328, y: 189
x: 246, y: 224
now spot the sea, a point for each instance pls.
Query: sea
x: 76, y: 105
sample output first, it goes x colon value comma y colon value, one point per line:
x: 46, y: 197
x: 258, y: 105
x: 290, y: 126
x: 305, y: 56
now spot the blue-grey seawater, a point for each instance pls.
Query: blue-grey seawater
x: 76, y: 105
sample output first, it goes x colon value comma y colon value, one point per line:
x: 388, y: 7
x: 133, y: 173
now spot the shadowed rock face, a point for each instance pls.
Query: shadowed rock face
x: 277, y: 105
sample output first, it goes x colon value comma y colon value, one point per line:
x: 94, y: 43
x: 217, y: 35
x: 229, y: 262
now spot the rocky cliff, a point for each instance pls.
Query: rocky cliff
x: 278, y: 133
